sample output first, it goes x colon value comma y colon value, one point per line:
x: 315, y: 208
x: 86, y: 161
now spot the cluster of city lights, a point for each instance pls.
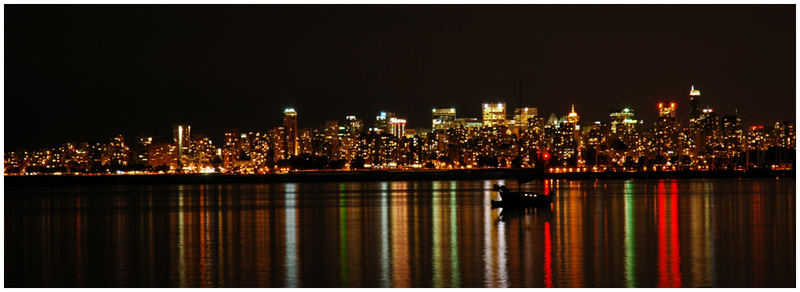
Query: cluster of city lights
x: 499, y: 139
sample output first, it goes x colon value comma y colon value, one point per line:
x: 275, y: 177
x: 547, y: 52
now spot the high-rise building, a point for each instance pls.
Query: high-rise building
x: 694, y: 110
x: 117, y: 151
x: 667, y: 111
x: 383, y: 123
x: 398, y: 127
x: 732, y: 134
x: 469, y: 123
x: 784, y: 134
x: 290, y: 127
x: 354, y: 124
x: 443, y: 118
x: 278, y: 143
x: 182, y: 137
x: 707, y: 129
x: 162, y: 154
x: 623, y: 127
x: 622, y: 119
x: 305, y: 141
x: 139, y: 150
x: 573, y: 117
x: 330, y: 146
x: 230, y: 149
x: 667, y: 130
x: 494, y: 114
x: 523, y: 115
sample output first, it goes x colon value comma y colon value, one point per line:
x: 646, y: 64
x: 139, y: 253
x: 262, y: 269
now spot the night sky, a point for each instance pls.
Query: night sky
x: 88, y: 72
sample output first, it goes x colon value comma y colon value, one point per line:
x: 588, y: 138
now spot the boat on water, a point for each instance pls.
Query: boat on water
x: 511, y: 199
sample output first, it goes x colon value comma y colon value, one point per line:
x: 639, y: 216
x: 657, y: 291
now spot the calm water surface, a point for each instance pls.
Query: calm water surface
x: 603, y: 233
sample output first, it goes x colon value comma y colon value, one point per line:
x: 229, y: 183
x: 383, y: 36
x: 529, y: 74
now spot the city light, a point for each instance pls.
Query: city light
x: 496, y: 140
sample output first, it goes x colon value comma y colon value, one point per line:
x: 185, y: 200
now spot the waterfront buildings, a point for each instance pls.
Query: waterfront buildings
x: 443, y: 118
x: 494, y: 114
x: 182, y: 137
x: 290, y: 127
x: 621, y: 143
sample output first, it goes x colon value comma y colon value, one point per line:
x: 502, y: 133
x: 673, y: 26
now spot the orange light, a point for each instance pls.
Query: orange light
x: 660, y: 105
x: 671, y: 104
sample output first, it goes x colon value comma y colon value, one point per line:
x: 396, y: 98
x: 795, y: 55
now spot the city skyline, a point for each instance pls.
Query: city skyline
x: 502, y: 137
x: 80, y: 81
x: 291, y: 113
x: 400, y: 146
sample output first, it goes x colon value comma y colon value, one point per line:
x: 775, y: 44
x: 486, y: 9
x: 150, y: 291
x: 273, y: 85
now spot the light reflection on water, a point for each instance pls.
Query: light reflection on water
x: 598, y: 233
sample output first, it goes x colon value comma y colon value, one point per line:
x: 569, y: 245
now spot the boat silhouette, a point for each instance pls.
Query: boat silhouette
x: 511, y: 199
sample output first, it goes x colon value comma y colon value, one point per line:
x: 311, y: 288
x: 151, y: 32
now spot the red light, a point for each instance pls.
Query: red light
x: 546, y: 155
x: 660, y: 105
x: 672, y: 104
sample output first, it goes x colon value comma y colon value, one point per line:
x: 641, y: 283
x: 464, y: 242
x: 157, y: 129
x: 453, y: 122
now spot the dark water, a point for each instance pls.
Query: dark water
x: 614, y: 233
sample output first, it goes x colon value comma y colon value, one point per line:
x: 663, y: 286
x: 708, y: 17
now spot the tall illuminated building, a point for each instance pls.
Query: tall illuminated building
x: 694, y: 110
x: 667, y: 130
x: 117, y: 152
x: 398, y: 127
x: 573, y: 117
x: 667, y: 110
x: 494, y: 114
x: 305, y: 141
x: 277, y: 137
x: 784, y: 134
x: 290, y: 128
x: 707, y: 130
x: 182, y: 138
x: 354, y: 124
x: 138, y: 154
x: 623, y: 127
x: 383, y: 123
x: 622, y: 120
x: 732, y: 134
x: 230, y: 148
x: 523, y: 115
x: 443, y: 118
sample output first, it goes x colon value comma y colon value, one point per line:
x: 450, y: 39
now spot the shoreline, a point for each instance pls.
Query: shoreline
x: 351, y: 176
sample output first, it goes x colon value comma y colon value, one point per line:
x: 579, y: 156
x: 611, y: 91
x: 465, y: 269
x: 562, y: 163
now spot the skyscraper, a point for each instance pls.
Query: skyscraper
x: 708, y: 128
x: 667, y: 111
x: 694, y: 110
x: 383, y: 122
x: 494, y: 114
x: 230, y: 149
x: 622, y: 120
x: 443, y: 118
x: 354, y: 124
x: 290, y: 127
x: 182, y: 138
x: 522, y: 115
x: 666, y: 131
x: 573, y: 117
x: 398, y: 127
